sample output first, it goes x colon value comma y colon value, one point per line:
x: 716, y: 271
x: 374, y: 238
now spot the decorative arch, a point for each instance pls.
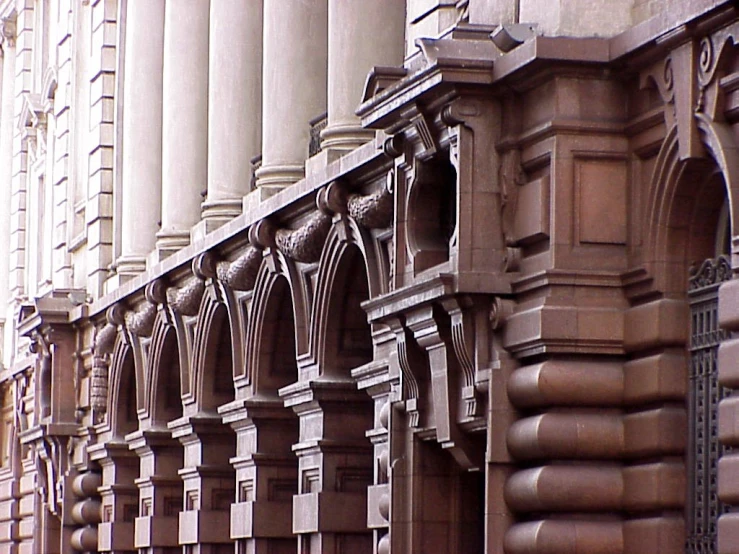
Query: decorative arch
x: 164, y: 365
x: 673, y: 181
x: 274, y: 316
x: 125, y: 392
x: 274, y: 268
x: 213, y: 346
x: 344, y: 236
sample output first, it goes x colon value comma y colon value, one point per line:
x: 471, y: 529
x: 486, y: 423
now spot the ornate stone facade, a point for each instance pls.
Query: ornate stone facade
x: 492, y: 313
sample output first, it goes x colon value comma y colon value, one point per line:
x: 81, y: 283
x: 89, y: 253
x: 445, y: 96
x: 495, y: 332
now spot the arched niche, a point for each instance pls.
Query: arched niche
x: 347, y: 340
x: 275, y: 361
x: 214, y: 366
x: 123, y: 404
x: 165, y: 374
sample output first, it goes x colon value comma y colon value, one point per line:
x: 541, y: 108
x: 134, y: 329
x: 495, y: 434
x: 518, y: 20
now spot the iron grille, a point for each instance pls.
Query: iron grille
x: 704, y: 506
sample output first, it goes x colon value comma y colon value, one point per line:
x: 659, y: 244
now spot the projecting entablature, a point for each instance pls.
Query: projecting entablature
x: 444, y: 124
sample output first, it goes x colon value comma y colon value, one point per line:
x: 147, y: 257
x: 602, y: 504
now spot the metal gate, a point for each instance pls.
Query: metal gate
x: 703, y: 505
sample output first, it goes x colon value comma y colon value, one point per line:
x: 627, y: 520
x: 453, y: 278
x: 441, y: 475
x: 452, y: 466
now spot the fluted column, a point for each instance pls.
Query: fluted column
x: 234, y: 104
x: 142, y: 134
x: 361, y: 35
x: 294, y: 86
x: 184, y: 120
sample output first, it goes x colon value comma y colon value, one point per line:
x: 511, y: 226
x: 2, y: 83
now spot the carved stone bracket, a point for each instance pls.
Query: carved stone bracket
x: 52, y: 455
x: 469, y: 334
x: 409, y: 384
x: 241, y: 274
x: 432, y: 334
x: 102, y: 348
x: 185, y: 300
x: 141, y: 321
x: 305, y: 243
x: 373, y: 211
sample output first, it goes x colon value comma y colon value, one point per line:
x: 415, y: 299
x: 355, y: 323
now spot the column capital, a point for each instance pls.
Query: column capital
x: 7, y: 32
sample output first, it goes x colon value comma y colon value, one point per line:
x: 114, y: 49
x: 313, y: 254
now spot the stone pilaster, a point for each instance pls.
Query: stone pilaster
x: 361, y: 35
x: 23, y: 28
x: 293, y: 85
x: 142, y: 134
x: 63, y: 141
x: 208, y: 482
x: 7, y: 93
x: 234, y: 105
x: 184, y: 121
x: 98, y: 214
x: 335, y: 466
x: 266, y: 475
x: 119, y: 504
x: 160, y: 489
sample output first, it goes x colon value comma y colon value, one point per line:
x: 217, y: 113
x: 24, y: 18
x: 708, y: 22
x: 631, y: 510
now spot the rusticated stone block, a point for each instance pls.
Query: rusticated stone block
x: 728, y: 305
x: 261, y: 519
x: 329, y: 511
x: 204, y: 526
x: 116, y: 536
x: 150, y: 531
x: 663, y: 322
x: 728, y: 534
x: 658, y: 486
x: 656, y: 378
x: 728, y: 485
x: 728, y: 363
x: 656, y: 432
x: 657, y: 535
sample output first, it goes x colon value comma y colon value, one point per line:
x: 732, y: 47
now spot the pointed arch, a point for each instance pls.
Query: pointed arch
x: 212, y: 364
x: 164, y: 374
x: 275, y: 273
x: 273, y: 339
x: 125, y: 391
x: 345, y: 240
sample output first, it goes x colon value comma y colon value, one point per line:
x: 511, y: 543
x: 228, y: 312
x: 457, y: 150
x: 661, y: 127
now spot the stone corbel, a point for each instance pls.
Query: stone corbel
x: 51, y: 464
x: 409, y: 390
x: 424, y: 129
x: 432, y: 335
x: 305, y: 243
x: 102, y: 349
x: 241, y: 274
x: 374, y: 211
x: 469, y: 334
x: 186, y: 299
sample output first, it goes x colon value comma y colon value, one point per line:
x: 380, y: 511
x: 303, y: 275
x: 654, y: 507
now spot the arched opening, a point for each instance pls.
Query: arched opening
x: 348, y: 335
x: 217, y: 370
x: 707, y: 249
x: 167, y: 404
x: 347, y: 469
x: 277, y: 365
x: 266, y: 466
x: 124, y: 403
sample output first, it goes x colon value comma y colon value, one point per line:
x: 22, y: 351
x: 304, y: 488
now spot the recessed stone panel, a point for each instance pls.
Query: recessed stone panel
x: 602, y: 199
